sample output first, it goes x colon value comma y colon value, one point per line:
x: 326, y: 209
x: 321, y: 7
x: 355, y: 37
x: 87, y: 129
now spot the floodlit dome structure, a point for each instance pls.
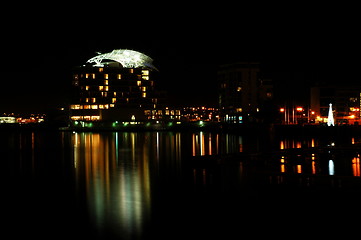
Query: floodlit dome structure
x: 127, y: 59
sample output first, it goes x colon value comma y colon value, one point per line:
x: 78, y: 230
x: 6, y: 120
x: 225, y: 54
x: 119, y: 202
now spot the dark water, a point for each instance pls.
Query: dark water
x: 173, y: 185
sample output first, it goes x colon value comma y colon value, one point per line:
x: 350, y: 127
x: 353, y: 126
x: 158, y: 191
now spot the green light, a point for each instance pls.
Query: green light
x: 114, y: 124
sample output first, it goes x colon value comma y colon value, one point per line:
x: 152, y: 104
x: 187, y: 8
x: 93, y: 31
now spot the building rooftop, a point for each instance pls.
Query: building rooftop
x: 127, y: 59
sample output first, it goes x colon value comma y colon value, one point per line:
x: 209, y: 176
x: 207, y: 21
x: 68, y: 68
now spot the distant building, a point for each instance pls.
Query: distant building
x: 118, y: 87
x: 22, y: 118
x: 242, y: 92
x: 345, y: 102
x: 200, y: 113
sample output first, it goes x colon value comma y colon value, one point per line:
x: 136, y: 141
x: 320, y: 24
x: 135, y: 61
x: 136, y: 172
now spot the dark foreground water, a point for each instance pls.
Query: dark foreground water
x: 172, y: 185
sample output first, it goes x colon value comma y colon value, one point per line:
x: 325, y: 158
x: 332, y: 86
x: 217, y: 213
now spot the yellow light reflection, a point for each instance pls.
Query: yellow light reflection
x: 313, y: 167
x: 312, y: 142
x: 282, y: 144
x: 356, y: 166
x: 283, y: 168
x: 117, y: 185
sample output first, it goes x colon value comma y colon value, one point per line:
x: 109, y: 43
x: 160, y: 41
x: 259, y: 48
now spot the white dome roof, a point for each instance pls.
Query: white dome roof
x: 127, y: 58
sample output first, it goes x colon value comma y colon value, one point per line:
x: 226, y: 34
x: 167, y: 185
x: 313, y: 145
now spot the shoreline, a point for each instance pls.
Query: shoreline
x: 260, y: 129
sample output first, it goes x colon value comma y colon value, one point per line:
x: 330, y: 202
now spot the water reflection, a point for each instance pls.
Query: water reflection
x: 115, y: 173
x: 317, y: 158
x: 120, y: 172
x: 124, y: 180
x: 209, y: 143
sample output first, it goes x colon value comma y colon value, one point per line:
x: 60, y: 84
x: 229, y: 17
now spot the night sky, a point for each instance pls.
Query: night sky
x: 297, y: 45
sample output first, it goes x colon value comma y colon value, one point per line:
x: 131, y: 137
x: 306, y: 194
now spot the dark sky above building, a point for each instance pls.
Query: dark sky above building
x: 41, y: 44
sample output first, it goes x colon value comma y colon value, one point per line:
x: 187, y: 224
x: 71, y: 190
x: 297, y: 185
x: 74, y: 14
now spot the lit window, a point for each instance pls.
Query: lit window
x: 101, y: 106
x: 145, y: 77
x: 77, y: 106
x: 115, y: 94
x: 119, y: 76
x: 106, y: 75
x: 144, y: 89
x: 94, y: 106
x: 94, y: 100
x: 106, y: 88
x: 111, y: 105
x: 114, y: 100
x: 131, y: 70
x: 87, y: 88
x: 106, y: 82
x: 145, y: 72
x: 93, y: 75
x: 101, y: 88
x: 94, y: 118
x: 139, y: 83
x: 87, y: 75
x: 144, y: 94
x: 101, y: 69
x: 75, y: 118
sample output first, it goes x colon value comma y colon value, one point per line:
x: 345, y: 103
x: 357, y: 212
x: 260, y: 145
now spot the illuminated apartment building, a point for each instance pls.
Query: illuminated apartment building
x: 118, y: 86
x: 242, y: 92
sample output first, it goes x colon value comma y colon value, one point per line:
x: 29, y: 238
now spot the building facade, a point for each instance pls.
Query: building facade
x: 118, y: 87
x: 242, y: 92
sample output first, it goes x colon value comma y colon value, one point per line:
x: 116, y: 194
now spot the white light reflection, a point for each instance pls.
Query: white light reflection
x: 331, y: 167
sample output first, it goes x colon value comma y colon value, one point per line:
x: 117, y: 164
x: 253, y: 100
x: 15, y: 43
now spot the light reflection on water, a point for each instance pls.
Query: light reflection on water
x: 115, y: 172
x: 118, y: 170
x: 125, y: 180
